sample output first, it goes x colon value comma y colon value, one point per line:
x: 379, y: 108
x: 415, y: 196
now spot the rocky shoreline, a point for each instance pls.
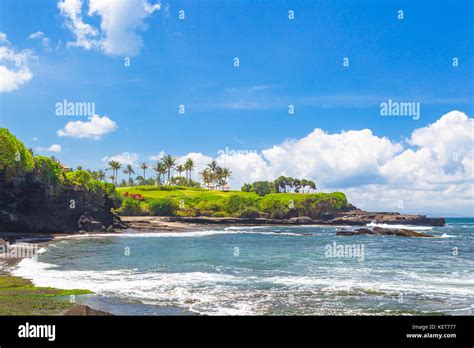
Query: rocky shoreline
x: 348, y: 218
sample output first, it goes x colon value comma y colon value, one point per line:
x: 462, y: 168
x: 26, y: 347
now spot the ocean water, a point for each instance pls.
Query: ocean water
x: 305, y: 270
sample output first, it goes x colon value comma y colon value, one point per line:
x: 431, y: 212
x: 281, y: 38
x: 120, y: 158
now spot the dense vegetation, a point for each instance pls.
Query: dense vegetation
x: 185, y: 201
x: 18, y: 164
x: 165, y: 194
x: 281, y: 184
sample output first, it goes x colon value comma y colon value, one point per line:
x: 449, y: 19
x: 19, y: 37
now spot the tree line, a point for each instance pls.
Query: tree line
x: 282, y: 184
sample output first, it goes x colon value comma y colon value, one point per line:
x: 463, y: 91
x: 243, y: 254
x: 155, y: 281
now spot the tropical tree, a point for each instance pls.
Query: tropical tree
x: 115, y: 166
x: 129, y: 171
x: 101, y: 175
x: 180, y: 169
x: 160, y: 170
x: 206, y: 177
x: 169, y: 162
x: 144, y: 166
x: 189, y: 166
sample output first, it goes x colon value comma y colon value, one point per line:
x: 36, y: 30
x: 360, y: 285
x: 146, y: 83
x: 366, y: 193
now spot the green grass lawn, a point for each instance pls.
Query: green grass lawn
x: 179, y: 192
x: 199, y: 201
x: 198, y: 194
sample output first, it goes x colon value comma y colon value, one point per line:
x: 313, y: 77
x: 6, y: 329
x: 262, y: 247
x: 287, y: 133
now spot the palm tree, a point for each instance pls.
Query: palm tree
x: 129, y: 170
x: 169, y: 161
x: 115, y: 166
x: 206, y: 177
x: 226, y: 174
x: 189, y: 166
x: 101, y: 175
x: 180, y: 169
x: 144, y: 166
x: 160, y: 170
x: 112, y: 178
x: 213, y: 166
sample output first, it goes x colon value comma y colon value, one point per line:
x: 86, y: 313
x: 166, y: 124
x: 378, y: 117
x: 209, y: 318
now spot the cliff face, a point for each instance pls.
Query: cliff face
x: 27, y: 205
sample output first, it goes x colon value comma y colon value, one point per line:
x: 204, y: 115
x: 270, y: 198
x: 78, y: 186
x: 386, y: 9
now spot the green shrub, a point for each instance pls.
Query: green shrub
x: 218, y: 214
x: 15, y: 158
x: 79, y: 177
x: 130, y: 207
x: 162, y: 207
x: 249, y: 212
x: 274, y: 207
x: 48, y: 171
x: 235, y: 203
x: 263, y: 188
x: 208, y: 208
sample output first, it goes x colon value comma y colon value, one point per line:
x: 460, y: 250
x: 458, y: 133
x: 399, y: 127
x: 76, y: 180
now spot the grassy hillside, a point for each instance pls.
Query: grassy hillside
x: 185, y: 201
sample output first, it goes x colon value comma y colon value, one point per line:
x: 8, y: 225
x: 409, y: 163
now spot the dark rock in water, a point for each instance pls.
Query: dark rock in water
x: 81, y: 310
x: 378, y: 231
x: 360, y: 217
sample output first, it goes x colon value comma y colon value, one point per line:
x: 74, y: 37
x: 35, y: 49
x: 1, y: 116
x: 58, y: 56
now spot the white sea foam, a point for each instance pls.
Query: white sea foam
x: 227, y: 294
x: 203, y: 233
x: 445, y: 235
x: 407, y: 227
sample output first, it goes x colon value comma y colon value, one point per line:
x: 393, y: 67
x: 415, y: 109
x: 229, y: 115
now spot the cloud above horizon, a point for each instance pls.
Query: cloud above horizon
x: 14, y: 69
x: 124, y: 158
x: 433, y: 169
x: 94, y: 128
x: 120, y: 24
x: 53, y: 148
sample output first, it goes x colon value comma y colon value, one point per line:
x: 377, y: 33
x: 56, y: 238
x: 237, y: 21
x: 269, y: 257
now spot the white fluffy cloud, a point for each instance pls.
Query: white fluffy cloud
x: 432, y: 171
x: 94, y: 128
x: 52, y: 148
x: 85, y: 33
x: 124, y: 158
x: 121, y: 22
x: 14, y: 69
x: 39, y: 35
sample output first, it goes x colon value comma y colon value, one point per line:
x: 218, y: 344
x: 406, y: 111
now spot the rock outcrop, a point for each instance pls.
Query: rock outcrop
x: 378, y: 231
x: 362, y: 218
x: 28, y: 206
x: 348, y: 218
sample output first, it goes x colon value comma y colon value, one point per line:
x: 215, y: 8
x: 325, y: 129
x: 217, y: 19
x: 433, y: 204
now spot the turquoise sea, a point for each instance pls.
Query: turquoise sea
x: 305, y: 270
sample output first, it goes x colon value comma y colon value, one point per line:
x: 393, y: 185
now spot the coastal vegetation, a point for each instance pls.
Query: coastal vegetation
x: 39, y: 193
x: 171, y: 191
x: 19, y: 296
x: 186, y: 201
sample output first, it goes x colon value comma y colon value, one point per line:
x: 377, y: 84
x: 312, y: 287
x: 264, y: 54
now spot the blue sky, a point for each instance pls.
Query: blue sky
x: 282, y: 62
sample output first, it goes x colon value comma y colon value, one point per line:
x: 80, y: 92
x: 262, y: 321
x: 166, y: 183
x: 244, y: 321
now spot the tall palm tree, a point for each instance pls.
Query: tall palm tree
x: 115, y: 166
x: 169, y: 161
x: 101, y: 175
x: 129, y: 170
x: 226, y: 174
x: 160, y: 170
x: 189, y: 166
x: 144, y: 166
x: 180, y: 169
x: 213, y: 166
x: 206, y: 177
